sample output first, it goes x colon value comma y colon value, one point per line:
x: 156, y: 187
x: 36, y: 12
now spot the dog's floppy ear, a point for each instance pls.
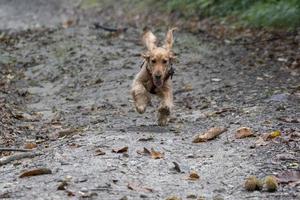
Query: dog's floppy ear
x: 169, y: 39
x: 149, y: 40
x: 146, y: 56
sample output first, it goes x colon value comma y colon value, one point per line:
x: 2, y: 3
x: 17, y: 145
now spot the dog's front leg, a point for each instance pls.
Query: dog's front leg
x: 140, y: 96
x: 165, y: 107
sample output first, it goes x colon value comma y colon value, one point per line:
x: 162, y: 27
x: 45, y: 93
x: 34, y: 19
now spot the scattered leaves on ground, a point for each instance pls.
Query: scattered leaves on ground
x: 289, y: 176
x: 243, y: 132
x: 62, y: 185
x: 156, y: 154
x: 173, y: 198
x: 209, y: 135
x: 288, y: 120
x: 138, y: 188
x: 271, y: 135
x: 35, y: 172
x: 145, y: 139
x: 266, y: 138
x: 176, y: 167
x: 30, y: 145
x: 120, y: 150
x: 193, y: 176
x: 99, y: 152
x: 144, y: 152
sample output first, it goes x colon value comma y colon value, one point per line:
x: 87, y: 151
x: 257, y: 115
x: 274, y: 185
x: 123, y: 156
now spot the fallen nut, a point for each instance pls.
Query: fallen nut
x: 252, y: 183
x: 271, y: 183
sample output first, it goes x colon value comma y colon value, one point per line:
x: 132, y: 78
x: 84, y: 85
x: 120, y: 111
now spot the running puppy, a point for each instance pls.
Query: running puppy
x: 155, y: 76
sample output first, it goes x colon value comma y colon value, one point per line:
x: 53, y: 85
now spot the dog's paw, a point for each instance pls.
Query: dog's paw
x: 140, y: 109
x: 164, y: 110
x: 163, y: 121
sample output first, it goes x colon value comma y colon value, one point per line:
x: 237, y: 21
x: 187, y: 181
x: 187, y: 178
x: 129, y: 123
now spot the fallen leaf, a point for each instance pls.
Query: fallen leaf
x: 289, y: 176
x: 193, y: 176
x: 209, y: 135
x: 30, y: 145
x: 62, y: 185
x: 120, y: 150
x: 68, y: 23
x: 176, y: 167
x: 271, y: 135
x: 67, y: 132
x: 285, y: 156
x: 156, y: 154
x: 135, y: 187
x: 243, y: 132
x: 261, y: 142
x: 35, y: 172
x: 146, y: 139
x: 145, y: 151
x: 288, y: 120
x: 173, y: 198
x: 99, y: 152
x: 187, y: 87
x: 70, y: 193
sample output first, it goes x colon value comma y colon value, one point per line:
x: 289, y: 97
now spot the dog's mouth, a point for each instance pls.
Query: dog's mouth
x: 157, y: 83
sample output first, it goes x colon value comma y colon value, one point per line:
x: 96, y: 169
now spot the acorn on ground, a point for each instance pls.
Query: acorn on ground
x: 271, y: 183
x: 252, y: 183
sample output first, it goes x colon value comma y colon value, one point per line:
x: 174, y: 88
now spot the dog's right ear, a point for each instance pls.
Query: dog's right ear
x: 149, y: 40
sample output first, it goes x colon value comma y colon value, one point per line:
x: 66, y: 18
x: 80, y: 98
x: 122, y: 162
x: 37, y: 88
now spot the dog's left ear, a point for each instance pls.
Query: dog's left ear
x: 169, y: 39
x: 146, y: 56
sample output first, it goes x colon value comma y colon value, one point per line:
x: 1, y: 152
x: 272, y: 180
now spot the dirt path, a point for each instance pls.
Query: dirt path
x: 74, y: 85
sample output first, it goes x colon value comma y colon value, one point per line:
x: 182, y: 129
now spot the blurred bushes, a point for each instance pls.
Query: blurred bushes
x: 256, y: 13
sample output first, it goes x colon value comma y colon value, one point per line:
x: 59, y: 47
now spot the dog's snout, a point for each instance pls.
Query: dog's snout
x: 157, y: 76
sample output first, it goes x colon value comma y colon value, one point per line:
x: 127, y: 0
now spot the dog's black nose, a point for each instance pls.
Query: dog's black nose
x: 157, y: 77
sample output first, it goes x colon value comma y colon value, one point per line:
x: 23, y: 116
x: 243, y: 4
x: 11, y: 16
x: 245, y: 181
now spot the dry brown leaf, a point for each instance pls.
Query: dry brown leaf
x: 120, y: 150
x: 289, y: 176
x: 35, y: 172
x: 209, y: 135
x: 62, y: 185
x: 193, y: 176
x: 145, y: 151
x: 67, y: 132
x: 289, y: 120
x: 156, y: 154
x: 135, y: 187
x: 176, y: 167
x: 187, y: 87
x: 261, y: 142
x: 99, y: 152
x: 30, y: 145
x: 243, y: 132
x: 271, y: 135
x: 173, y: 198
x: 68, y: 23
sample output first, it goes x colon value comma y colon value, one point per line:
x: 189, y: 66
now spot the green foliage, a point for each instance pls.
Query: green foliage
x: 257, y: 13
x: 275, y: 14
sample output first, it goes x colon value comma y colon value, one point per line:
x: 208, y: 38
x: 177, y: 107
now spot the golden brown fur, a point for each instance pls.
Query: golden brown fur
x: 154, y: 75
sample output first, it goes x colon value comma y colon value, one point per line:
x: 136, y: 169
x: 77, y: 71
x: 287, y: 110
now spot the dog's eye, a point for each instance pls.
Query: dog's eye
x: 165, y: 61
x: 153, y: 61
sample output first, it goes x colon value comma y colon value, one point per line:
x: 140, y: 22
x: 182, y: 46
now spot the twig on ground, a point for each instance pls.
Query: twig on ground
x: 19, y: 156
x: 14, y: 149
x: 98, y: 26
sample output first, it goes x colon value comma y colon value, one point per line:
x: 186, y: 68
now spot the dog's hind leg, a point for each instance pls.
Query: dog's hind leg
x: 140, y: 97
